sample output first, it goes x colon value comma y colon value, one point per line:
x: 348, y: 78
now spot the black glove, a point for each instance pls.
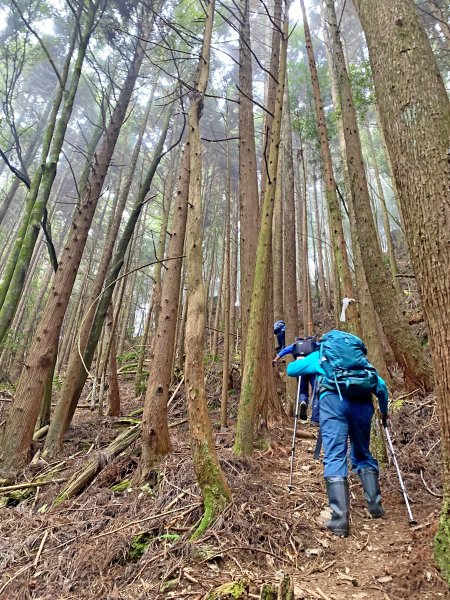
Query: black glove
x: 384, y: 420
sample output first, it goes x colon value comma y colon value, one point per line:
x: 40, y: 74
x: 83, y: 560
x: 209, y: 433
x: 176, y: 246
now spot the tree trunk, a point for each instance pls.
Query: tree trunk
x: 67, y: 404
x: 215, y: 339
x: 111, y: 357
x: 243, y: 444
x: 277, y: 247
x: 155, y: 430
x: 368, y: 316
x: 214, y: 488
x: 226, y: 298
x: 92, y: 323
x: 18, y: 430
x: 248, y: 182
x: 415, y: 113
x: 384, y: 212
x: 345, y: 286
x: 290, y: 258
x: 320, y: 267
x: 306, y: 284
x: 406, y: 347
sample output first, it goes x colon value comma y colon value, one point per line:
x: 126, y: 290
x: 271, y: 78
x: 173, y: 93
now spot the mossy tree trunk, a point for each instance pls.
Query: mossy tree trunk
x: 243, y: 444
x: 214, y: 488
x: 406, y: 347
x: 415, y: 115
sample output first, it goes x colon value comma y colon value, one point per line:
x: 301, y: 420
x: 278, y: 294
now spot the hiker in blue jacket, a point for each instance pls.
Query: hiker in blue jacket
x: 279, y: 330
x: 346, y: 410
x: 306, y: 381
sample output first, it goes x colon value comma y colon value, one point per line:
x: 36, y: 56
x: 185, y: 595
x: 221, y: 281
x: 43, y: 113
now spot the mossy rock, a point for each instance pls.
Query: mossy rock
x: 236, y: 590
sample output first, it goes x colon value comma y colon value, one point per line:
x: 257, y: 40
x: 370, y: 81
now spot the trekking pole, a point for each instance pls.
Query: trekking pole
x: 411, y: 519
x: 294, y: 437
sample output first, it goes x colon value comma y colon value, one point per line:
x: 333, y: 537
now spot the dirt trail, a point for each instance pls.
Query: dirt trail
x: 90, y: 547
x: 368, y: 563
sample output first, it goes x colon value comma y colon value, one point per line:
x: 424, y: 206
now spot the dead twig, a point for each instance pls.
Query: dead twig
x: 41, y: 547
x: 430, y: 491
x: 163, y: 514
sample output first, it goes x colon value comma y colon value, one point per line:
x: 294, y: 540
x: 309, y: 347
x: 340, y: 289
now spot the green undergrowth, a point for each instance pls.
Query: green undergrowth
x: 140, y: 543
x: 236, y: 590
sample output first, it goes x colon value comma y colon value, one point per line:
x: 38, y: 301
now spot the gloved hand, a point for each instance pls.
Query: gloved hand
x: 384, y: 420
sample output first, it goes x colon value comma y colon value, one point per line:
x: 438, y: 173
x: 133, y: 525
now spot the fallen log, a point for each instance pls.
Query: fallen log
x: 82, y: 479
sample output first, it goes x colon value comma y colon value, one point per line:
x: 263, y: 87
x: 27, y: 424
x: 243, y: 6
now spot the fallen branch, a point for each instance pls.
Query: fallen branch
x: 40, y: 433
x: 430, y: 491
x: 163, y: 514
x: 41, y: 547
x: 30, y: 484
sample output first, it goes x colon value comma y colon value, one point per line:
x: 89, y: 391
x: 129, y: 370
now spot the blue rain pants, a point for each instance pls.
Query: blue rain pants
x: 341, y: 419
x: 281, y: 339
x: 306, y: 381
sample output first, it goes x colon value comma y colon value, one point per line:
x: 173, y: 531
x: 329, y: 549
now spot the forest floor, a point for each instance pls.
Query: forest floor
x: 134, y: 544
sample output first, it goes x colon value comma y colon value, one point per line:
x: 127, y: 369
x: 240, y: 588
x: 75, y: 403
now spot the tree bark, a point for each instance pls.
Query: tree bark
x: 212, y: 482
x: 415, y: 114
x: 243, y: 444
x: 384, y: 212
x: 406, y: 347
x: 368, y: 316
x: 226, y: 298
x: 248, y: 182
x: 155, y: 430
x: 290, y: 258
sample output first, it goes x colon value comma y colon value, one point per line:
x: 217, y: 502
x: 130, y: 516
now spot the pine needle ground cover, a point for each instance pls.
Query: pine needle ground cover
x: 120, y: 540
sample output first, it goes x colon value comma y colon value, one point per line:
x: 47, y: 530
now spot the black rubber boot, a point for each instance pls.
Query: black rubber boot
x: 339, y: 500
x: 372, y: 492
x: 303, y: 411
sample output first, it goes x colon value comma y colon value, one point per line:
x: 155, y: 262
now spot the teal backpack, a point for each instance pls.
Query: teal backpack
x: 343, y: 357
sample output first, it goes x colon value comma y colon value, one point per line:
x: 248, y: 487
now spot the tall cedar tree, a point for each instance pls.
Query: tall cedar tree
x: 13, y: 279
x: 243, y: 444
x: 248, y: 181
x: 214, y: 488
x: 66, y: 406
x: 406, y: 347
x: 415, y: 115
